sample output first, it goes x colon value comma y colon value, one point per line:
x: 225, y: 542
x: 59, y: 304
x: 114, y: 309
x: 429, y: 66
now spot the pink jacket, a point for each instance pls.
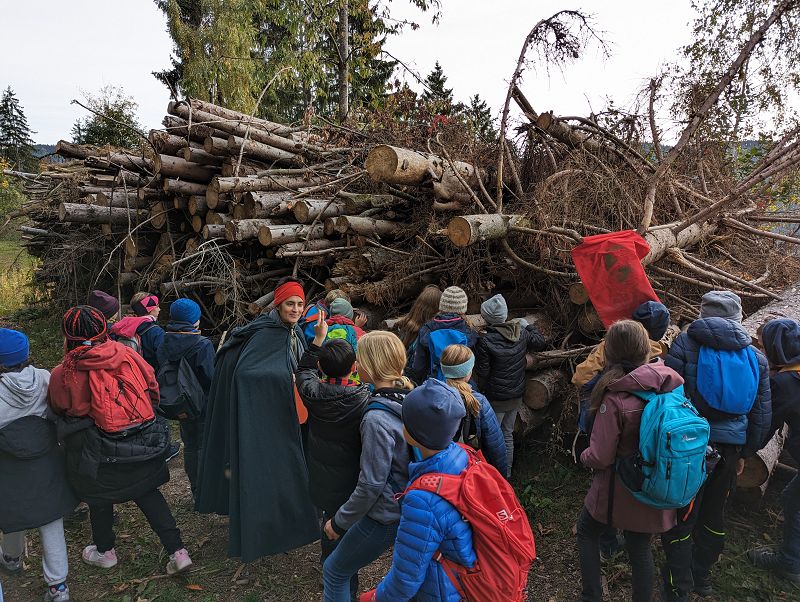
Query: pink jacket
x: 616, y: 434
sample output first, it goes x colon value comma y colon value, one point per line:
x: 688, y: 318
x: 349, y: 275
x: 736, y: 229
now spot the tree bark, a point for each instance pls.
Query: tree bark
x: 226, y: 113
x: 402, y: 166
x: 260, y: 151
x: 177, y: 167
x: 201, y: 157
x: 466, y: 230
x: 317, y: 246
x: 165, y: 143
x: 267, y: 204
x: 95, y: 214
x: 210, y: 231
x: 173, y: 186
x: 543, y: 387
x: 270, y: 236
x: 365, y: 226
x: 245, y: 229
x: 578, y: 294
x: 307, y: 210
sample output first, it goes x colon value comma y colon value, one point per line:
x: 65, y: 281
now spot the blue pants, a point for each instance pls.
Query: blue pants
x: 363, y: 543
x: 790, y: 548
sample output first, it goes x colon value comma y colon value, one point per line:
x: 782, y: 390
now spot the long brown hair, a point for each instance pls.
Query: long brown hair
x: 453, y: 355
x: 425, y: 307
x: 381, y: 356
x: 627, y: 346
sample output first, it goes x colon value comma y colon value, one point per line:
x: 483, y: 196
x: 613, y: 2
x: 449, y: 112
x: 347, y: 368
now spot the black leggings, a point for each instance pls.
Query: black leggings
x: 153, y: 506
x: 640, y: 555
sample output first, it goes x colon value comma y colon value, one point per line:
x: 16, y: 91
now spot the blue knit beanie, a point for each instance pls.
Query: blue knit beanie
x: 654, y: 316
x: 184, y: 310
x: 14, y: 348
x: 432, y: 414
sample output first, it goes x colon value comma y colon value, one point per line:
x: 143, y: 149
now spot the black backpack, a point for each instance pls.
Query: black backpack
x: 181, y: 395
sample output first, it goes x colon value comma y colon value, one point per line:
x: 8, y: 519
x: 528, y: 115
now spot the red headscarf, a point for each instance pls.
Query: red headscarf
x: 288, y: 289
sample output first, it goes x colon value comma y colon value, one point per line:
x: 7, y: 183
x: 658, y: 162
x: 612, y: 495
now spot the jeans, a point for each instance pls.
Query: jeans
x: 54, y: 550
x: 328, y: 546
x: 694, y: 545
x: 790, y: 548
x: 507, y: 420
x: 640, y: 556
x: 192, y: 437
x: 155, y: 509
x: 363, y: 543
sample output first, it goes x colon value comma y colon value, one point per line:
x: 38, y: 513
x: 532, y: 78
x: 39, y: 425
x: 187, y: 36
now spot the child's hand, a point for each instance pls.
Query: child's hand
x: 360, y: 319
x: 320, y: 329
x: 329, y: 532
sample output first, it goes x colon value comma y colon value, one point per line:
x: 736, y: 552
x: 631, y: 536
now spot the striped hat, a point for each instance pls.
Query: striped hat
x: 454, y: 300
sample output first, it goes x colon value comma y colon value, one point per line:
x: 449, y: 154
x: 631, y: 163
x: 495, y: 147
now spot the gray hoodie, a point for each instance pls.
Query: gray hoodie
x: 384, y: 465
x: 23, y: 393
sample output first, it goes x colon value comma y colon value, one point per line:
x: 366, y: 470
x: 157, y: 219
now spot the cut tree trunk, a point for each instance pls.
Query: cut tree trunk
x: 197, y: 204
x: 210, y: 231
x: 245, y: 229
x: 542, y: 388
x: 166, y: 143
x: 759, y: 468
x: 270, y: 126
x: 307, y: 210
x: 201, y: 157
x: 95, y: 214
x: 578, y: 294
x: 402, y: 166
x: 310, y: 248
x: 466, y: 230
x: 173, y: 186
x: 263, y: 152
x: 177, y: 167
x: 365, y: 226
x: 267, y: 204
x: 270, y: 236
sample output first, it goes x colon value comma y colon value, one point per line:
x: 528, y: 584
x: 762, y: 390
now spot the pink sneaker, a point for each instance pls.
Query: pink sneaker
x: 178, y: 562
x: 105, y: 560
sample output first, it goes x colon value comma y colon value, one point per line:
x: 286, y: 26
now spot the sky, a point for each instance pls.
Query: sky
x: 83, y: 45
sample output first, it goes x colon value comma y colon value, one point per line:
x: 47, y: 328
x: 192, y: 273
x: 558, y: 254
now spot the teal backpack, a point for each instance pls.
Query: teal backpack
x: 670, y: 467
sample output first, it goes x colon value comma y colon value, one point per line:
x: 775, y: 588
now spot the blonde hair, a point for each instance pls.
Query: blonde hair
x: 336, y: 293
x: 453, y: 355
x: 136, y: 297
x: 382, y: 357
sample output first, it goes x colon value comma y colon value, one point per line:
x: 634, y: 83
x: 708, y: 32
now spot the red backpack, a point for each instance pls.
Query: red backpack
x: 501, y: 535
x: 120, y: 397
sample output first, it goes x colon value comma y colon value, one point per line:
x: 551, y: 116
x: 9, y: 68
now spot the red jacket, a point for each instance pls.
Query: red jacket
x: 70, y: 394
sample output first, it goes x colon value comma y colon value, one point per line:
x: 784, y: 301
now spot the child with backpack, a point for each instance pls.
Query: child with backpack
x: 33, y: 477
x: 424, y: 309
x: 479, y: 429
x: 463, y: 534
x: 448, y: 327
x: 781, y: 342
x: 617, y: 403
x: 335, y: 406
x: 313, y: 310
x: 500, y: 360
x: 141, y: 331
x: 105, y: 394
x: 727, y: 380
x: 366, y: 524
x: 341, y: 324
x: 185, y: 368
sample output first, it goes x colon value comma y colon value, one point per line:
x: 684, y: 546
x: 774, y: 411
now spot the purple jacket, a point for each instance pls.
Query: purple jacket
x: 616, y: 435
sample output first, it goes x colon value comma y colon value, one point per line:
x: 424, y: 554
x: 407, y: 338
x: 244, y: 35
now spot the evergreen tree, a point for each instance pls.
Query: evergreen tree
x: 16, y: 145
x: 116, y: 123
x: 436, y: 93
x: 479, y: 117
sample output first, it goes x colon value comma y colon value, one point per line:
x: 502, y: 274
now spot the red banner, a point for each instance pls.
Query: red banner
x: 611, y: 270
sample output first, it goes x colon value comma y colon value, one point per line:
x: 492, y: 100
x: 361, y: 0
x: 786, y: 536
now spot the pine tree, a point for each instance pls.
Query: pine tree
x: 436, y: 93
x: 116, y: 123
x: 16, y: 145
x: 479, y: 117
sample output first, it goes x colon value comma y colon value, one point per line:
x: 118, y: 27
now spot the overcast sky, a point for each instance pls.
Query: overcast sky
x: 52, y: 50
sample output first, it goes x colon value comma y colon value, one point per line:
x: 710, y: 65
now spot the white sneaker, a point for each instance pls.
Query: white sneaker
x: 105, y: 560
x: 57, y: 593
x: 178, y: 562
x: 9, y: 564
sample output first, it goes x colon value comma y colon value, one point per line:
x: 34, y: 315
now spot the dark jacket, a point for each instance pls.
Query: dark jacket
x: 182, y: 339
x: 751, y: 431
x: 429, y: 525
x: 781, y: 339
x: 334, y: 438
x: 252, y: 465
x: 33, y: 476
x: 421, y: 365
x: 500, y: 359
x: 488, y: 433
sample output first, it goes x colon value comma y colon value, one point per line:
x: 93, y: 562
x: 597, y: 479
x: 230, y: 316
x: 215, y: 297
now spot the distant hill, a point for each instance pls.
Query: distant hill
x: 41, y: 150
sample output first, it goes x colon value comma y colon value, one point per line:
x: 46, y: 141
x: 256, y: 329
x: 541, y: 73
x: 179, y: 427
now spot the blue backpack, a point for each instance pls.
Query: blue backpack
x: 439, y: 341
x: 728, y: 380
x: 670, y: 467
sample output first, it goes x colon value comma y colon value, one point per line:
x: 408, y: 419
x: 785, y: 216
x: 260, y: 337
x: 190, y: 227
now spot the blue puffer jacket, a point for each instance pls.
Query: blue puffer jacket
x: 428, y: 524
x: 421, y: 364
x: 751, y: 431
x: 781, y: 340
x: 487, y: 430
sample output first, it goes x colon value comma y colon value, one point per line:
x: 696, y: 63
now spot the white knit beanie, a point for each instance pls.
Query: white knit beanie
x: 454, y: 300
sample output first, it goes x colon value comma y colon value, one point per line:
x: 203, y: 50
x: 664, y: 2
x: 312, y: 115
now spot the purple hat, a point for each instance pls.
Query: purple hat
x: 105, y: 303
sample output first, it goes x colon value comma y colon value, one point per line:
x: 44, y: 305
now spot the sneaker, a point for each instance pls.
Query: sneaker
x: 10, y: 564
x: 173, y: 450
x: 57, y: 593
x: 702, y: 587
x: 106, y: 560
x: 770, y: 560
x: 178, y: 562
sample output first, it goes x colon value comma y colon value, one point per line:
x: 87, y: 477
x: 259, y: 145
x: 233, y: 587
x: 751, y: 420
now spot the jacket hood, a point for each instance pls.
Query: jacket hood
x: 654, y: 316
x: 511, y: 331
x: 446, y: 320
x: 343, y: 403
x: 25, y: 388
x: 781, y: 339
x: 341, y: 320
x: 451, y: 460
x: 655, y: 376
x: 128, y: 325
x: 105, y: 356
x: 719, y: 333
x: 178, y: 341
x: 27, y: 438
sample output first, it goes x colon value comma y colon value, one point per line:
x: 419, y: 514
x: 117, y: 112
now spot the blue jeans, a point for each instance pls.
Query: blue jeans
x: 790, y: 549
x: 364, y: 542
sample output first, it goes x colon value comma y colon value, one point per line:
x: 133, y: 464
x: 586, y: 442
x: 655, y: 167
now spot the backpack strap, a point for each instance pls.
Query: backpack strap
x: 378, y: 405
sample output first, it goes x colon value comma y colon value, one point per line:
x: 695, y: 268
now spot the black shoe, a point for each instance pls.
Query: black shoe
x: 770, y: 560
x: 173, y: 450
x: 702, y: 587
